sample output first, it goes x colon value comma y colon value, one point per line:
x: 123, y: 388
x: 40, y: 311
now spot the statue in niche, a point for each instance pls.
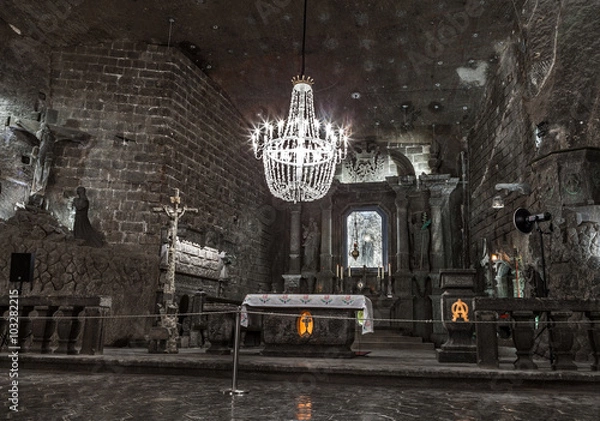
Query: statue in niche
x: 82, y: 228
x: 420, y: 235
x: 367, y: 252
x: 312, y: 239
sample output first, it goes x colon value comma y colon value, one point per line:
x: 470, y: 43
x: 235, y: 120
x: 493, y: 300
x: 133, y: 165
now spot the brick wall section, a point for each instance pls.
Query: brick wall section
x: 157, y: 123
x: 499, y: 151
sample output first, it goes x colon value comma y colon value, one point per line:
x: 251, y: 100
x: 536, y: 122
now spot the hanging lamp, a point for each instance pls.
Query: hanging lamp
x: 300, y: 154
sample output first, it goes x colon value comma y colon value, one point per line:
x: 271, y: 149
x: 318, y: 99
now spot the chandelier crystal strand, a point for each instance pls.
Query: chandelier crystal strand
x: 299, y: 160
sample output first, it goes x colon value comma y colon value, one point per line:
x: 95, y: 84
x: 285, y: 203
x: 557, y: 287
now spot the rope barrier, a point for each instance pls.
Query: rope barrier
x: 295, y: 315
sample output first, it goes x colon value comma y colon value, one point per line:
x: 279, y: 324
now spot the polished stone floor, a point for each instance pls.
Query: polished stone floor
x: 60, y: 395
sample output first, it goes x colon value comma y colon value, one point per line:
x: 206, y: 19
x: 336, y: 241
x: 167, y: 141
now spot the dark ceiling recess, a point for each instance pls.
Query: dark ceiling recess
x: 390, y: 52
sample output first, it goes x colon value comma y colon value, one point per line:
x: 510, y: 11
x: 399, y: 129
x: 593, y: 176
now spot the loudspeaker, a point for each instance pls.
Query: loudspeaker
x: 522, y: 222
x: 21, y: 267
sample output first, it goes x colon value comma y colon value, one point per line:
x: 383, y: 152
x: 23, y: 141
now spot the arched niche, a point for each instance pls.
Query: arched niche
x: 403, y: 165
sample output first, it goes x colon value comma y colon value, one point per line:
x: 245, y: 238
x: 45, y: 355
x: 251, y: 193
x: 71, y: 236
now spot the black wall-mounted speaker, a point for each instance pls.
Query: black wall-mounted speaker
x: 524, y: 221
x: 21, y: 267
x: 521, y: 221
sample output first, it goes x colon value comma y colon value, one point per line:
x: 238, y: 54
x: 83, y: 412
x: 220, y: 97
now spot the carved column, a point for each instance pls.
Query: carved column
x: 440, y: 187
x: 325, y: 276
x: 402, y: 236
x: 292, y: 278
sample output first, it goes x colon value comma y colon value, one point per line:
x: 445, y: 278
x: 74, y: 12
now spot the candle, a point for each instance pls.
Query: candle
x: 349, y: 271
x: 389, y: 269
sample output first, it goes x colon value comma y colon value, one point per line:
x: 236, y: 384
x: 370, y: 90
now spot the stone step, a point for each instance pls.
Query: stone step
x: 386, y: 339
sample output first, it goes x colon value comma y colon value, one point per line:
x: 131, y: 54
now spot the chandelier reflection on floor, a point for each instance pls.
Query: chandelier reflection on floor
x: 300, y: 155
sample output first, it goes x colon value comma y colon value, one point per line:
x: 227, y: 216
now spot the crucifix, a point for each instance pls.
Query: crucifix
x: 168, y: 309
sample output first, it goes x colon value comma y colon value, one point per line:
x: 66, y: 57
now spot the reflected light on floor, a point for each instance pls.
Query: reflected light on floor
x: 304, y: 408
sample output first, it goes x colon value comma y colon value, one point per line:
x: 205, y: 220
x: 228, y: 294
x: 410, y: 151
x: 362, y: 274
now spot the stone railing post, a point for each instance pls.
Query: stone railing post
x: 43, y: 327
x: 561, y: 336
x: 487, y: 338
x: 25, y: 332
x: 92, y: 342
x: 594, y: 337
x: 523, y: 331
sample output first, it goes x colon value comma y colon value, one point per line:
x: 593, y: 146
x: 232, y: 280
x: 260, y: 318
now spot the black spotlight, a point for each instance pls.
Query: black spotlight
x: 524, y: 221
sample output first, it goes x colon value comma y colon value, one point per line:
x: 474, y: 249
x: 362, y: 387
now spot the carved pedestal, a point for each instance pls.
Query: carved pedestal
x: 291, y: 283
x: 221, y: 325
x: 456, y: 304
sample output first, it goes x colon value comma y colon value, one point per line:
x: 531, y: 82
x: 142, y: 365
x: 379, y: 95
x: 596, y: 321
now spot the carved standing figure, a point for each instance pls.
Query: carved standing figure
x: 312, y: 239
x: 82, y: 228
x: 43, y: 156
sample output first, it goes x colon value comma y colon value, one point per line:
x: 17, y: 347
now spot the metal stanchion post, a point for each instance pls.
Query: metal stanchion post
x: 234, y: 391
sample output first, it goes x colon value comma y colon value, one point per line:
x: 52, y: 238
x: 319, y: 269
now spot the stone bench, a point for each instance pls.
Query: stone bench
x: 522, y: 313
x: 58, y: 324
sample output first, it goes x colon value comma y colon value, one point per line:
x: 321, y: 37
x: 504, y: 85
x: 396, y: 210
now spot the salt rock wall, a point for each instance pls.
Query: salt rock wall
x: 63, y: 266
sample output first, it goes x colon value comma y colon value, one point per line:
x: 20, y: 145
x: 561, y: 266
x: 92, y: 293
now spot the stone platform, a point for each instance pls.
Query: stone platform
x: 379, y: 367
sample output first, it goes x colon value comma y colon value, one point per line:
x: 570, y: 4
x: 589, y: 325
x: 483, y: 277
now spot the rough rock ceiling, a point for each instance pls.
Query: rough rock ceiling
x: 383, y: 67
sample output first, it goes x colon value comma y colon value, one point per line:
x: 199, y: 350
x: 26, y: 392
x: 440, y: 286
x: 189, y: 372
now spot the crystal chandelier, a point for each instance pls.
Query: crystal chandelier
x: 300, y: 155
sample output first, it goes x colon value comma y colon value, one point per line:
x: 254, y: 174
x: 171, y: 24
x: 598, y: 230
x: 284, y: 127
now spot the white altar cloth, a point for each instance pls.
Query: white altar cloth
x: 352, y: 302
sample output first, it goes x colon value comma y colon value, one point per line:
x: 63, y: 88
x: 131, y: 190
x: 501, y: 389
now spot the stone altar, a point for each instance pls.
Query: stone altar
x: 310, y: 325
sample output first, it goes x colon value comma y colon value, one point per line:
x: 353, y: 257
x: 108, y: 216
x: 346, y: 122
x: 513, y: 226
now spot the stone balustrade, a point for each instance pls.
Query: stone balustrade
x: 523, y: 313
x: 58, y: 324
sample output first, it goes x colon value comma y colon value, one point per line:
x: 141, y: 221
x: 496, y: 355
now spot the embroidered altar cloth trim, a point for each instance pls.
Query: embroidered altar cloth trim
x: 352, y: 302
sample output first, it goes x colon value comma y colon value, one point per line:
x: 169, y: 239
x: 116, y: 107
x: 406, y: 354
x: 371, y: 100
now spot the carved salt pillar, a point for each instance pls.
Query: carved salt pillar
x: 325, y: 276
x: 440, y: 187
x: 292, y: 278
x: 437, y: 234
x: 403, y: 306
x: 402, y: 236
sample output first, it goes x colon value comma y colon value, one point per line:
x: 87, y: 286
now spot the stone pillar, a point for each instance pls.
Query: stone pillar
x: 456, y: 306
x: 440, y: 188
x: 402, y: 278
x: 325, y: 276
x: 487, y: 339
x: 402, y: 235
x: 292, y: 278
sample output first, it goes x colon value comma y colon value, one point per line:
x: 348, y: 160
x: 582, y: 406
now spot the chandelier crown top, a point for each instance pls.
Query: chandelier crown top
x: 302, y: 79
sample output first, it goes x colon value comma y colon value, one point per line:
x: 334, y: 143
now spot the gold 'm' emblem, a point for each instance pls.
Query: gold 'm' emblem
x: 305, y: 324
x: 460, y: 309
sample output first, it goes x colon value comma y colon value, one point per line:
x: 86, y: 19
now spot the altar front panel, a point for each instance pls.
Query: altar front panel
x: 310, y: 325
